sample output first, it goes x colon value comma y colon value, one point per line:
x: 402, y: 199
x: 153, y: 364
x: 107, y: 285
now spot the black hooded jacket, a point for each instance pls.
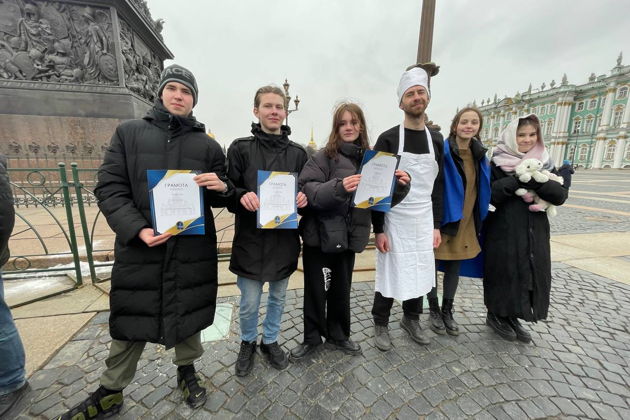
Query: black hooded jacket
x: 166, y: 293
x: 262, y: 254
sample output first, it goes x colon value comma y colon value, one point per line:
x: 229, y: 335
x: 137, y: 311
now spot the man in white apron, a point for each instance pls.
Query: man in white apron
x: 408, y: 233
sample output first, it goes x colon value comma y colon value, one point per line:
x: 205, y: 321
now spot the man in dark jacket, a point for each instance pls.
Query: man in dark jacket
x: 163, y: 287
x: 262, y: 255
x: 12, y: 379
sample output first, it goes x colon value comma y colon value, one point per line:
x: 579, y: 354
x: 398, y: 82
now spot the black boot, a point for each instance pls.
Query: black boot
x: 447, y: 316
x: 521, y: 333
x: 435, y: 317
x: 501, y: 326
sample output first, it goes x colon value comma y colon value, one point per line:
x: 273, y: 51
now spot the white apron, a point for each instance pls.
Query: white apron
x: 407, y: 271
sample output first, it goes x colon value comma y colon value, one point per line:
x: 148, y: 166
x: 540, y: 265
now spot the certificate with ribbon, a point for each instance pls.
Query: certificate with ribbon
x: 377, y: 183
x: 176, y: 202
x: 277, y: 192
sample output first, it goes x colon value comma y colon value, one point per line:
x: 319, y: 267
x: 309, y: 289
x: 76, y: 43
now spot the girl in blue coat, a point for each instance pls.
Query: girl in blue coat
x: 466, y: 197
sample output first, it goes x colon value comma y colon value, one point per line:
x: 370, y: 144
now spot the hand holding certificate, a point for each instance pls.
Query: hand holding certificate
x: 176, y: 202
x: 377, y: 181
x: 277, y: 196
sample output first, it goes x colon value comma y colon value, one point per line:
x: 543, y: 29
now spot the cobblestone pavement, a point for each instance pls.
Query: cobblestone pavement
x: 599, y: 201
x: 577, y: 366
x: 574, y: 221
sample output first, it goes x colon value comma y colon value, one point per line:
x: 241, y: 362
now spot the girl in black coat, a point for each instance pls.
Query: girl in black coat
x: 517, y: 279
x: 330, y: 224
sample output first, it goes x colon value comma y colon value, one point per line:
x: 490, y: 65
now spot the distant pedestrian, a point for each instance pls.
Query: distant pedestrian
x: 466, y: 199
x: 13, y: 383
x: 262, y: 256
x: 566, y: 171
x: 407, y: 235
x: 164, y: 287
x: 329, y: 180
x: 517, y: 278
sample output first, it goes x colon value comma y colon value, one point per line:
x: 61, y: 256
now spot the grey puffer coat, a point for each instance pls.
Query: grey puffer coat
x: 328, y: 201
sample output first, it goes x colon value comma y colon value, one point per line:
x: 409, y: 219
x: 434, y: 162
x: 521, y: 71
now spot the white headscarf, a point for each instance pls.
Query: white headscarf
x: 416, y: 76
x: 506, y: 154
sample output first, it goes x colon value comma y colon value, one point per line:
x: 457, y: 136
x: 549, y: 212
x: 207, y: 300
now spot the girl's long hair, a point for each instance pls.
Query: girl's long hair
x: 335, y: 140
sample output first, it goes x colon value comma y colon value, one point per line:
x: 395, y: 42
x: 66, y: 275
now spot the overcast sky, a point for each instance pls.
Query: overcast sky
x: 336, y: 50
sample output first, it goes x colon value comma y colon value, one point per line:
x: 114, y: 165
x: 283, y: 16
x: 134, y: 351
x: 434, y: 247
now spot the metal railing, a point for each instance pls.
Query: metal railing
x: 47, y: 191
x: 57, y: 221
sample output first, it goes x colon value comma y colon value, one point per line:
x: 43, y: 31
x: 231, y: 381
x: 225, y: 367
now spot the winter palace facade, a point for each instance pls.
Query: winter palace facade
x: 586, y: 124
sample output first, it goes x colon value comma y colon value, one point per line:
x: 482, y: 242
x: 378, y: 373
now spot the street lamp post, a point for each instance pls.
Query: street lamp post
x: 296, y: 101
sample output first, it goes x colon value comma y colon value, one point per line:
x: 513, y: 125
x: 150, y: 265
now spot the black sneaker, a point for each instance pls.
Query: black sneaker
x: 302, y: 350
x: 275, y: 355
x: 347, y: 346
x: 190, y: 384
x: 101, y: 403
x: 245, y: 360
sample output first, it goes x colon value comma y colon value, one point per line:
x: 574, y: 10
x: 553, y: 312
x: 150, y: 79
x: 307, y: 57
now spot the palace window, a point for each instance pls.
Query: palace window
x: 622, y: 92
x: 580, y: 106
x: 588, y: 127
x: 495, y: 132
x: 603, y: 101
x: 549, y: 127
x: 543, y: 109
x: 577, y: 126
x: 617, y: 116
x: 610, y: 151
x: 571, y: 152
x: 583, y: 152
x: 592, y: 103
x: 552, y: 109
x: 627, y: 157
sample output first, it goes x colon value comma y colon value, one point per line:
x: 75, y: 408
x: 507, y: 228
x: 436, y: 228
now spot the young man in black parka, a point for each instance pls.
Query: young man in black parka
x: 163, y: 287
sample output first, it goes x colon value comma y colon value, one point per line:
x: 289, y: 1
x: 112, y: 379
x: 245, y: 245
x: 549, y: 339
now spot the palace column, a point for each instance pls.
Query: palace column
x: 600, y: 140
x: 622, y: 137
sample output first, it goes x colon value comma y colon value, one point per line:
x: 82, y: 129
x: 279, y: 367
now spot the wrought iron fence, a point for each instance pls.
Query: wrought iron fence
x: 58, y: 220
x: 41, y: 234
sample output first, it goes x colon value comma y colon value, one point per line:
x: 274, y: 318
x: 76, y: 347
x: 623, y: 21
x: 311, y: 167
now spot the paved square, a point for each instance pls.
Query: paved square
x: 577, y: 365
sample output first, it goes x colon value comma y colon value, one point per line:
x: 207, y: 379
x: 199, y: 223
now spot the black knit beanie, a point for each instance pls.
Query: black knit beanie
x: 179, y: 74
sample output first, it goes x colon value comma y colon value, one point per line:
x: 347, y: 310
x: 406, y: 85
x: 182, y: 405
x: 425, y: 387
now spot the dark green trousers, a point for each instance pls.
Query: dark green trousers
x: 122, y: 361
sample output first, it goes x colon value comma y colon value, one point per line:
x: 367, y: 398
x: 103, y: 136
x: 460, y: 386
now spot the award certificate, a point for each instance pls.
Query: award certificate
x: 276, y: 193
x: 377, y: 181
x: 176, y: 202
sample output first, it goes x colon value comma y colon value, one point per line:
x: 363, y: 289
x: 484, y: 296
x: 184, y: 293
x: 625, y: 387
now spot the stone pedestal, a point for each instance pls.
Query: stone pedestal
x: 71, y: 71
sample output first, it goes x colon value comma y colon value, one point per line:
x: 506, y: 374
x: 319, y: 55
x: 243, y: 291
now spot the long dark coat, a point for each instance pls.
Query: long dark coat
x: 166, y: 293
x: 262, y: 254
x: 517, y: 278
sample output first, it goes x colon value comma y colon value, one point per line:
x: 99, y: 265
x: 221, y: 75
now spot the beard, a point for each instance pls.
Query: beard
x: 414, y: 113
